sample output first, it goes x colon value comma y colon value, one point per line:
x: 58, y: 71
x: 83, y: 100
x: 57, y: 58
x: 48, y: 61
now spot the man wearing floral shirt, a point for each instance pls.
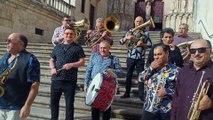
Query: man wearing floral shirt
x: 160, y: 79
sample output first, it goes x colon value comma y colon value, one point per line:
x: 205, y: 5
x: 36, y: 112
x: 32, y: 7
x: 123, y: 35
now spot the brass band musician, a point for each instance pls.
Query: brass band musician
x: 100, y: 34
x: 160, y: 77
x: 136, y: 42
x: 58, y: 34
x: 22, y: 82
x: 190, y: 77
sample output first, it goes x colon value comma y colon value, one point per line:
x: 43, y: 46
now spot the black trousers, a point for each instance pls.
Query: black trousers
x: 155, y: 116
x: 57, y: 88
x: 96, y: 114
x: 131, y: 64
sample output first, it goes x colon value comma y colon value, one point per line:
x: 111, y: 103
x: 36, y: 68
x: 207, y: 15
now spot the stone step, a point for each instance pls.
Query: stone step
x: 46, y: 79
x: 38, y: 113
x: 120, y: 107
x: 44, y: 88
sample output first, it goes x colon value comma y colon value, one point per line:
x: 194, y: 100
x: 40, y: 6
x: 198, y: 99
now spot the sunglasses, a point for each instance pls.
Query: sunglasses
x: 200, y: 50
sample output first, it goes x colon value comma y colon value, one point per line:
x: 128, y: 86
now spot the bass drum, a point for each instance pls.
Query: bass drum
x: 101, y: 92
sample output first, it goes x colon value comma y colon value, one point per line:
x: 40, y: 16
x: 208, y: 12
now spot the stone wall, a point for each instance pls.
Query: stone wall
x: 26, y: 16
x: 124, y: 10
x: 203, y: 19
x: 177, y: 12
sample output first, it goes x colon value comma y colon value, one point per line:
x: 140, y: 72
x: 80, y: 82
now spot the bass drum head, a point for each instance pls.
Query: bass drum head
x: 93, y: 89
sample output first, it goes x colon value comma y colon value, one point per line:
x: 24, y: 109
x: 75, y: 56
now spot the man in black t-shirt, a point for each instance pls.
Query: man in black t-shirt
x: 64, y: 63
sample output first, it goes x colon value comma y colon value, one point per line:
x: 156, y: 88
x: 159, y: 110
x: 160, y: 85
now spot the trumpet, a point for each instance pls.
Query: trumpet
x: 111, y: 24
x: 4, y: 75
x: 201, y: 91
x: 132, y: 45
x: 156, y: 99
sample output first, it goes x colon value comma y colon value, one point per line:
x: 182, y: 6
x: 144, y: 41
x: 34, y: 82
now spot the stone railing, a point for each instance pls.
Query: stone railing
x: 59, y: 5
x: 174, y: 19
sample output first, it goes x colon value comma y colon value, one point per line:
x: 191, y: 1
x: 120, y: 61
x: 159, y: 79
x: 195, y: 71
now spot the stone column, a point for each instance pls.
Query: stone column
x: 148, y: 8
x: 183, y: 5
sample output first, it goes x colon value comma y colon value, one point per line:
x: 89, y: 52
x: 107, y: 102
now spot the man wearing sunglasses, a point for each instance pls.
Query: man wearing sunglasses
x: 20, y: 79
x: 58, y: 37
x: 189, y: 78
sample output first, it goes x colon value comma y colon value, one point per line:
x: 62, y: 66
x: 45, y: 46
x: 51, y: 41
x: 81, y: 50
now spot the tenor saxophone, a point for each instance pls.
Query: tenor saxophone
x: 4, y: 76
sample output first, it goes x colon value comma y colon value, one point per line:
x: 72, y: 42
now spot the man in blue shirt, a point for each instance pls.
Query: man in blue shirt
x: 101, y: 61
x: 21, y: 84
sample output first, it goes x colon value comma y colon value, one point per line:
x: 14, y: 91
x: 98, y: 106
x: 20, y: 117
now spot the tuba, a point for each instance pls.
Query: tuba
x: 78, y: 26
x: 4, y: 75
x: 184, y: 49
x: 201, y: 91
x: 83, y: 24
x: 150, y: 23
x: 111, y: 24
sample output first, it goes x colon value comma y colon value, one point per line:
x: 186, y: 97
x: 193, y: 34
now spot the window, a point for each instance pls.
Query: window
x: 83, y: 6
x: 39, y: 31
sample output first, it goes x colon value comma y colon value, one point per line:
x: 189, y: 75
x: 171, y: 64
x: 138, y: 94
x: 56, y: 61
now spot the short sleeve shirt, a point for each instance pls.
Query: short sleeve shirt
x: 64, y: 54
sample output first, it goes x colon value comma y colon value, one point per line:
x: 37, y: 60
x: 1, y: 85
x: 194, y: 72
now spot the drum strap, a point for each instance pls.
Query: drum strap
x: 112, y: 63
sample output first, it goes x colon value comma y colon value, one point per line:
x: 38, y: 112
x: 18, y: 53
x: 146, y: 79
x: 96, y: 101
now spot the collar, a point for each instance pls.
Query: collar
x: 208, y: 65
x: 183, y: 36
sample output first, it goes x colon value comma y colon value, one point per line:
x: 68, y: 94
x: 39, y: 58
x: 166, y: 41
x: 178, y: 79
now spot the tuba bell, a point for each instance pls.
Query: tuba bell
x: 149, y: 23
x: 111, y: 24
x: 83, y: 24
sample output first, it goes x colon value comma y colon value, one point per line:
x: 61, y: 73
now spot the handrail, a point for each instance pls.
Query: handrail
x: 210, y: 36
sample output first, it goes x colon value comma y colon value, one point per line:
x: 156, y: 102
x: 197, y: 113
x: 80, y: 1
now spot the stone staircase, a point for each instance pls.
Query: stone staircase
x: 122, y: 109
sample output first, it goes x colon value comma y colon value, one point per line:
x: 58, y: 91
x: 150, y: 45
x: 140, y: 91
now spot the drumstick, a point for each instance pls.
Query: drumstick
x: 59, y: 69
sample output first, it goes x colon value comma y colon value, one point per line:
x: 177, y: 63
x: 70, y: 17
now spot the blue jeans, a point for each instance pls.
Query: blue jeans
x: 68, y: 88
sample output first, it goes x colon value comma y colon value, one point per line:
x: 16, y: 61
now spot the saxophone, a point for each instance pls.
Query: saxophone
x: 4, y: 75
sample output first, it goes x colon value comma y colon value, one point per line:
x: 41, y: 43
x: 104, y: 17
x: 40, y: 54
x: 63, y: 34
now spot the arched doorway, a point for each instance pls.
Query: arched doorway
x: 156, y: 12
